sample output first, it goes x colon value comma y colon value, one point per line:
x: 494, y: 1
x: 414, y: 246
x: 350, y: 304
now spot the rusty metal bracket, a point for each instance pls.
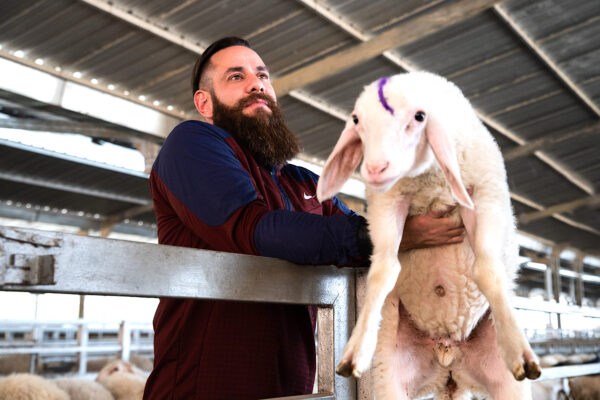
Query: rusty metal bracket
x: 23, y: 269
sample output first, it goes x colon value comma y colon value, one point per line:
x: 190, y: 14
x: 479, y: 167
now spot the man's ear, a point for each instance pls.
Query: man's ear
x: 204, y: 104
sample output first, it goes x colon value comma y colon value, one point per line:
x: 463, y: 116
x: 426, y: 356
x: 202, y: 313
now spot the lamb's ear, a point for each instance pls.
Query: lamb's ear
x: 342, y: 162
x: 444, y: 152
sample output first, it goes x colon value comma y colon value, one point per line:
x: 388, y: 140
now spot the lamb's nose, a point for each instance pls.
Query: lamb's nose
x: 377, y: 167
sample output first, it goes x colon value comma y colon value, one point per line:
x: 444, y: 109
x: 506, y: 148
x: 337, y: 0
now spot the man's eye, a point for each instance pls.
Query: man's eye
x: 235, y: 77
x: 263, y: 76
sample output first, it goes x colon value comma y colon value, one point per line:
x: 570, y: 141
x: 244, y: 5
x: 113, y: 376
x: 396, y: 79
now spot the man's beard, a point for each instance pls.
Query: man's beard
x: 264, y: 134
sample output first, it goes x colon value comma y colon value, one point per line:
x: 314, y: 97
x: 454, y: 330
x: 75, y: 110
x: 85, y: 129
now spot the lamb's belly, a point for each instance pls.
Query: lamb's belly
x: 437, y: 290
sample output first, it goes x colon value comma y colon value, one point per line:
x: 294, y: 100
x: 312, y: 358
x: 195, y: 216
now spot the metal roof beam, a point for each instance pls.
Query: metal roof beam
x: 67, y: 187
x: 545, y: 58
x: 339, y: 21
x: 571, y: 176
x: 592, y: 201
x: 130, y: 213
x: 548, y: 141
x: 146, y: 24
x: 561, y: 218
x: 109, y: 223
x: 68, y: 76
x: 403, y: 34
x: 83, y: 128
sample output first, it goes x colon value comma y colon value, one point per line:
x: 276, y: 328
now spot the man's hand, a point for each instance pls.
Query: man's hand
x: 431, y: 229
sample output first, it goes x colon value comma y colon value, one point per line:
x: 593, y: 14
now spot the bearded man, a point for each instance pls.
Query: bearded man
x: 226, y: 185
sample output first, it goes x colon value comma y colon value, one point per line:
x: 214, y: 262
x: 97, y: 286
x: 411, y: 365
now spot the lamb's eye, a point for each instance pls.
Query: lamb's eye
x: 355, y: 119
x: 420, y: 116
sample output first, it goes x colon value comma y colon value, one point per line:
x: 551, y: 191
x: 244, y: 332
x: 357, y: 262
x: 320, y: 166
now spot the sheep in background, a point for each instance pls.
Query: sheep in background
x: 14, y: 363
x: 29, y: 387
x: 447, y: 325
x: 82, y: 389
x: 552, y: 360
x: 585, y: 387
x: 549, y: 390
x: 142, y: 362
x: 124, y: 381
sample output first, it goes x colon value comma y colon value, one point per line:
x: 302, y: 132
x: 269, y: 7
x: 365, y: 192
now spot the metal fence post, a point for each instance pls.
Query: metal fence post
x: 125, y: 340
x: 82, y: 342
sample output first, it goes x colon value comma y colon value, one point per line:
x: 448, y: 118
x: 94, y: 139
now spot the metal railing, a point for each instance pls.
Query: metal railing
x: 74, y: 340
x: 51, y: 262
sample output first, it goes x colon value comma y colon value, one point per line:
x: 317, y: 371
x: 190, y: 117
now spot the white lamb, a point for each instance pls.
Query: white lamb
x: 123, y: 380
x: 447, y: 325
x: 83, y: 389
x: 29, y: 387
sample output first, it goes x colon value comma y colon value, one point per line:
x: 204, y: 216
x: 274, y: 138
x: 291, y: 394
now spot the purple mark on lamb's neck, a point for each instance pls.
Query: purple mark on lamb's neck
x: 382, y: 99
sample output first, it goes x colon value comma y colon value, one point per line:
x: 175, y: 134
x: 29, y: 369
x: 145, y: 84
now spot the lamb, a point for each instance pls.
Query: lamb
x: 29, y: 387
x: 585, y: 387
x: 446, y: 323
x: 123, y: 380
x: 82, y: 389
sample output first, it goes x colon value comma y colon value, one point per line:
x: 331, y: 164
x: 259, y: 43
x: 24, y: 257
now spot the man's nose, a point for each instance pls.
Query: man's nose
x: 257, y: 85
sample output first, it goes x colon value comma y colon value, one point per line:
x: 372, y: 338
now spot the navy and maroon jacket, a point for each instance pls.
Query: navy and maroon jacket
x: 209, y: 193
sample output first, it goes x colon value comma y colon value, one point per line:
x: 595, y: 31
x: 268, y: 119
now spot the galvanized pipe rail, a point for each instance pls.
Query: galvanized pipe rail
x: 35, y: 343
x: 51, y: 262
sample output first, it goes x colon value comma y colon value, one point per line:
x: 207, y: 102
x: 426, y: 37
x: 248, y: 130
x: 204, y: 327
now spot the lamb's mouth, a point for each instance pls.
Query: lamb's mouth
x: 382, y: 184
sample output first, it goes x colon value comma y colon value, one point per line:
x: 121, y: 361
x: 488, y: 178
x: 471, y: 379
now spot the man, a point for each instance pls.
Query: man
x: 225, y: 185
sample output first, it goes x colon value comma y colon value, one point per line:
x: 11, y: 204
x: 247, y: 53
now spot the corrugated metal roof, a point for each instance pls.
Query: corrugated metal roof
x: 44, y: 182
x: 506, y: 75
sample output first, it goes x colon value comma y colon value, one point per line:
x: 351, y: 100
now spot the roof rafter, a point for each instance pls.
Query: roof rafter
x: 82, y: 128
x: 550, y: 140
x: 403, y: 34
x: 71, y: 188
x: 109, y: 223
x: 591, y: 201
x: 563, y: 77
x: 546, y: 59
x: 163, y: 32
x: 65, y: 75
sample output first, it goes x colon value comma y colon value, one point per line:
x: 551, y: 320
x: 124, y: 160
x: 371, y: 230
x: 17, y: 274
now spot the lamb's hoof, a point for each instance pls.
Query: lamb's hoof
x: 533, y: 370
x: 518, y: 371
x: 347, y: 369
x: 529, y: 369
x: 344, y: 369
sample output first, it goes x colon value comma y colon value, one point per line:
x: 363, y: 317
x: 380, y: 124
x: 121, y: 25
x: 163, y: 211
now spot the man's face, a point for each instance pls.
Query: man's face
x: 238, y: 72
x: 242, y: 101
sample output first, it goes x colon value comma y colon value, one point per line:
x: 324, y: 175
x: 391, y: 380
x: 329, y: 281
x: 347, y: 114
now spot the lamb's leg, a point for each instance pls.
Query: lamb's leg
x: 386, y: 222
x: 403, y: 358
x: 487, y: 236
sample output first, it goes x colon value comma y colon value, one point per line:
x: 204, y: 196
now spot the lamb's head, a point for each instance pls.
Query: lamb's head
x: 396, y: 128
